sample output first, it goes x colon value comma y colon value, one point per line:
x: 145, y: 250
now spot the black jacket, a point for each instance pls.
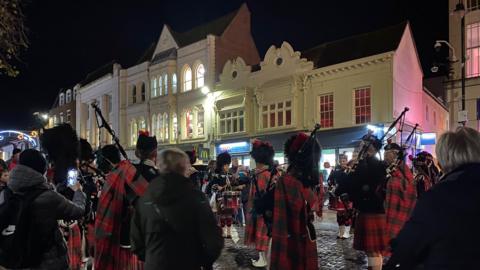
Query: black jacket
x: 47, y: 209
x: 174, y: 227
x: 365, y: 186
x: 442, y: 231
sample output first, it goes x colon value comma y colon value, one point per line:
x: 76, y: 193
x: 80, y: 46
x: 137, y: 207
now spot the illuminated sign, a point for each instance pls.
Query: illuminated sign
x: 234, y: 148
x: 428, y: 138
x: 20, y: 136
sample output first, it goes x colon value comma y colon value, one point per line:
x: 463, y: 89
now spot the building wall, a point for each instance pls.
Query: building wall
x: 55, y: 112
x: 437, y: 120
x: 453, y: 86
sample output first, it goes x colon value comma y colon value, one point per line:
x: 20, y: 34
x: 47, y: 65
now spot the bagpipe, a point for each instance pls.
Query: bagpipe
x: 377, y: 143
x: 401, y: 154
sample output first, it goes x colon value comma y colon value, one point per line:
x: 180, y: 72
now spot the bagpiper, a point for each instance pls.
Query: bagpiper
x: 256, y: 232
x: 367, y: 194
x: 123, y: 186
x: 294, y: 244
x: 426, y: 173
x: 400, y: 192
x: 338, y: 179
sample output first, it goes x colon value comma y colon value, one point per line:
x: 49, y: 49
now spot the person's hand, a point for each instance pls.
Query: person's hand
x: 76, y: 187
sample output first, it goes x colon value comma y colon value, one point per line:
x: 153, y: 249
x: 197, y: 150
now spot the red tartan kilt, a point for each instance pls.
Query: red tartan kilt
x: 74, y: 245
x: 90, y: 236
x: 128, y: 260
x: 370, y: 233
x: 256, y: 233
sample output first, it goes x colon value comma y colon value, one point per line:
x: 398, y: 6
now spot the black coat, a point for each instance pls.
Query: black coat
x: 442, y: 232
x: 174, y: 226
x: 47, y: 209
x: 365, y: 186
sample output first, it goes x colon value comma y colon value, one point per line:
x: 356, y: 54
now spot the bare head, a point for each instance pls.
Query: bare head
x: 173, y: 160
x: 455, y: 149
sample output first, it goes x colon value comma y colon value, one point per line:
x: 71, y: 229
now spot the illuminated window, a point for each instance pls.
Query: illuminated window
x: 277, y: 114
x: 160, y: 127
x: 187, y: 79
x: 232, y: 122
x: 175, y: 126
x: 200, y: 122
x: 61, y: 100
x: 154, y: 125
x: 326, y: 110
x: 134, y: 94
x: 200, y: 76
x: 143, y: 92
x: 166, y: 125
x: 69, y: 116
x: 188, y: 124
x: 363, y: 109
x: 174, y: 83
x: 133, y: 132
x: 142, y: 125
x: 165, y: 84
x: 154, y: 87
x: 160, y: 85
x: 473, y: 50
x: 68, y: 97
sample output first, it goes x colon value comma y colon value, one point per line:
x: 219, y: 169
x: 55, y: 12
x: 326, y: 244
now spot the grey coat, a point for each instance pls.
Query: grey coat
x: 47, y: 209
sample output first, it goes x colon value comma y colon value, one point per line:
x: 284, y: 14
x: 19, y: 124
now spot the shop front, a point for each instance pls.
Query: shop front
x: 201, y: 149
x: 239, y: 149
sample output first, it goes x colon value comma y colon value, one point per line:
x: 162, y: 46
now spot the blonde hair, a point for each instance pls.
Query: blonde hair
x: 458, y: 148
x: 172, y: 160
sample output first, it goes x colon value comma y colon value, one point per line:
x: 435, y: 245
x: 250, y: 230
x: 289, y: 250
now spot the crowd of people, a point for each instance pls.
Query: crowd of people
x: 86, y: 209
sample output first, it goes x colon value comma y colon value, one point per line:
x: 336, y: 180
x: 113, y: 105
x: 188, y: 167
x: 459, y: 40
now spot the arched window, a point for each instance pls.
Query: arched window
x: 174, y: 83
x: 200, y: 76
x: 175, y: 126
x: 161, y: 128
x: 188, y: 124
x: 143, y: 92
x: 160, y: 86
x: 141, y: 124
x: 61, y: 100
x: 166, y: 125
x: 187, y: 79
x: 133, y: 132
x: 165, y: 84
x: 134, y: 94
x: 153, y: 87
x: 69, y: 96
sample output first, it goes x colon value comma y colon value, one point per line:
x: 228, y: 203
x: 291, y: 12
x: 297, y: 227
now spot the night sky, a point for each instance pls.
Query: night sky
x: 69, y: 39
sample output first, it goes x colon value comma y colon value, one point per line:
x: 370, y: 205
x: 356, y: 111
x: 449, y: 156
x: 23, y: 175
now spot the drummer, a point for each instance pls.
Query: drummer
x: 227, y: 193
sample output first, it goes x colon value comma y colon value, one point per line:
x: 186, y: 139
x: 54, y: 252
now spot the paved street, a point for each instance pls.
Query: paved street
x: 333, y: 253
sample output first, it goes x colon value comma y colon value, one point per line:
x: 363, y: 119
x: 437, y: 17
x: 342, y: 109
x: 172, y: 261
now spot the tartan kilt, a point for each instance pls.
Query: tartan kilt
x: 74, y: 246
x: 109, y: 256
x: 370, y: 233
x: 256, y: 233
x: 90, y: 237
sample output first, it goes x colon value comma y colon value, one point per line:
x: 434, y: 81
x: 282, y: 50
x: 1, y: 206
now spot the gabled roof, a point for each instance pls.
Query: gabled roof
x: 356, y: 47
x: 215, y: 27
x: 98, y: 73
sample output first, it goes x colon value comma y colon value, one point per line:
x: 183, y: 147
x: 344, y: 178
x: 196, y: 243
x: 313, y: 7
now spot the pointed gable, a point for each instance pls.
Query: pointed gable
x: 165, y: 42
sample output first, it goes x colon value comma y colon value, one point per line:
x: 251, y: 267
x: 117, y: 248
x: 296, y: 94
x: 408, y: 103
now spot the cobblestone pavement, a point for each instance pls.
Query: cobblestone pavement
x: 332, y: 253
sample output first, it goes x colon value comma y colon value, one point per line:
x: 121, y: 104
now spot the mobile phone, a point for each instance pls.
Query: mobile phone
x: 72, y: 177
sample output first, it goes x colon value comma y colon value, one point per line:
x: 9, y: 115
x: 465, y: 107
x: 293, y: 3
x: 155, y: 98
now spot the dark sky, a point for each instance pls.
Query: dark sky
x: 68, y: 39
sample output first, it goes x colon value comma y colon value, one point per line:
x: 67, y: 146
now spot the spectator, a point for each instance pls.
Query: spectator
x: 46, y: 209
x: 173, y: 226
x: 441, y: 231
x: 4, y: 174
x: 14, y: 160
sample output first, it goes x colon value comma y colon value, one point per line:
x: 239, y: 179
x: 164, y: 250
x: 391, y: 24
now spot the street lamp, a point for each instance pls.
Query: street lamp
x: 205, y: 90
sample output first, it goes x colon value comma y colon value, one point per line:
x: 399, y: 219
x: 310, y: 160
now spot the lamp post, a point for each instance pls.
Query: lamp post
x: 460, y: 11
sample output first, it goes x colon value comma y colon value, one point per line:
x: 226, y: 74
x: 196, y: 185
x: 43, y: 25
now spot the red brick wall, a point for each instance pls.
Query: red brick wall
x: 236, y: 41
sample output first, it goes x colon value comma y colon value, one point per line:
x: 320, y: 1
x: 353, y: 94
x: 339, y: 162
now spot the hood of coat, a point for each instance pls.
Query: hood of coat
x: 23, y: 178
x: 169, y: 188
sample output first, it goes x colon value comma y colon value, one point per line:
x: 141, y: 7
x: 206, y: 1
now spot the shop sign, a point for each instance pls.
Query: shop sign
x: 428, y: 138
x: 234, y: 148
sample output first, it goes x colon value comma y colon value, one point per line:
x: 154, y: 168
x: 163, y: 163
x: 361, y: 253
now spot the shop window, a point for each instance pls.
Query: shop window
x: 326, y: 110
x: 188, y: 124
x: 232, y: 122
x: 363, y: 107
